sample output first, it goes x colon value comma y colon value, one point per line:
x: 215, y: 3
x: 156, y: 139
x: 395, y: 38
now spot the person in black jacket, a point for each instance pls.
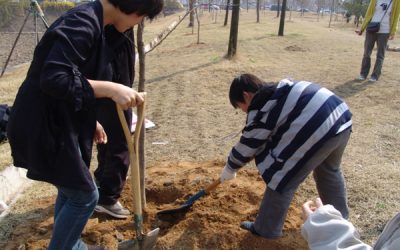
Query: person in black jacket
x: 53, y: 123
x: 113, y: 157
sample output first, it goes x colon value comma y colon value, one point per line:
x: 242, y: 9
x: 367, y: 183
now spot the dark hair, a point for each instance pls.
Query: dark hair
x: 148, y: 8
x: 241, y: 83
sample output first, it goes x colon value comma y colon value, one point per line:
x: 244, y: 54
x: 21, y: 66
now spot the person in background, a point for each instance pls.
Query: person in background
x: 58, y: 101
x: 292, y: 129
x: 325, y: 228
x: 113, y: 157
x: 387, y: 13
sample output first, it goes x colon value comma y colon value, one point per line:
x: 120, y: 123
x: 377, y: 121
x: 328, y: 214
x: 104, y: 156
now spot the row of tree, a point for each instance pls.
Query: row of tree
x: 354, y: 7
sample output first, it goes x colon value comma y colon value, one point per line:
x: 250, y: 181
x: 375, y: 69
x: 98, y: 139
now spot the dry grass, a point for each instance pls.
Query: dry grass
x: 188, y: 82
x: 9, y: 84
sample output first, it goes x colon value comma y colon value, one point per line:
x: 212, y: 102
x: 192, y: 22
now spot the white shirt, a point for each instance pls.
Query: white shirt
x: 380, y: 9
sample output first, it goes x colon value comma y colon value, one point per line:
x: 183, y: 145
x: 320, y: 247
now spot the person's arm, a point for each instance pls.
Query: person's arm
x: 123, y: 95
x: 368, y: 16
x: 68, y: 51
x: 253, y: 140
x: 67, y: 46
x: 325, y: 229
x: 394, y: 19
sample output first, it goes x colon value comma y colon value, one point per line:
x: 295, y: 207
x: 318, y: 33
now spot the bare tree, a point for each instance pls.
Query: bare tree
x: 320, y: 7
x: 191, y: 16
x: 279, y: 8
x: 234, y: 29
x: 142, y: 70
x: 330, y: 17
x: 198, y: 26
x: 228, y: 2
x: 142, y: 51
x: 258, y: 10
x: 282, y: 21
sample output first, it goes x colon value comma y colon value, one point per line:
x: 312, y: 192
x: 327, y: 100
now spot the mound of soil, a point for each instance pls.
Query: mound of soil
x: 211, y: 223
x: 295, y: 48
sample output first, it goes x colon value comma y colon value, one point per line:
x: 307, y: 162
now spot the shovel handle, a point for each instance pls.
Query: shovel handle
x: 212, y: 186
x: 133, y: 147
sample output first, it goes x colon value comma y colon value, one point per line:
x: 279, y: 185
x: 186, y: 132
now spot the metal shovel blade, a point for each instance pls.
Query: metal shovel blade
x: 147, y: 242
x: 182, y: 209
x: 185, y: 207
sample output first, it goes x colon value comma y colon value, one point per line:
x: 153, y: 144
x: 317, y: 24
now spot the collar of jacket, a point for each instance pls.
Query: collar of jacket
x: 262, y: 96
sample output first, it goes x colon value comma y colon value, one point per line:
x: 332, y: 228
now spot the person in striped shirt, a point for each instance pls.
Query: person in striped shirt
x: 292, y: 129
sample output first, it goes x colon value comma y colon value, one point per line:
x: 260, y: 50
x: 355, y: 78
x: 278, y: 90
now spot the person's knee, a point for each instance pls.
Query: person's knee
x: 96, y: 195
x: 92, y: 199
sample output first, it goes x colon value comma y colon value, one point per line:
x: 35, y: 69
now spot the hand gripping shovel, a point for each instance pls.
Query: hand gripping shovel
x: 143, y: 241
x: 185, y: 206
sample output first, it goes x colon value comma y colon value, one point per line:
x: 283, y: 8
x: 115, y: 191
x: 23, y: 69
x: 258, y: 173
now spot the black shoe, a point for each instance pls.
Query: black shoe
x: 249, y: 226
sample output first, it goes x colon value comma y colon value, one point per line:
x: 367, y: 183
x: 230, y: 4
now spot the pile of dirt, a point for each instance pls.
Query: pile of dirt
x: 295, y: 48
x: 211, y: 223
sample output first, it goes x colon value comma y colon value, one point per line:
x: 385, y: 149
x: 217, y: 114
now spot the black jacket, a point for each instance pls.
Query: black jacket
x: 53, y: 121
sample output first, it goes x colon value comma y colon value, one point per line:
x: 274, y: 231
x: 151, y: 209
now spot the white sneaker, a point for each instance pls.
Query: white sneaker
x: 373, y: 79
x: 116, y: 210
x: 361, y: 78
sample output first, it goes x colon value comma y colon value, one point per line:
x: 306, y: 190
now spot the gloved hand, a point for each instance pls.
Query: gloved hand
x: 227, y: 174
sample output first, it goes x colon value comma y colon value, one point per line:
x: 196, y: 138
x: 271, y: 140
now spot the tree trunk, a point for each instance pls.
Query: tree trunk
x: 279, y: 8
x: 282, y: 21
x: 228, y: 2
x: 142, y: 166
x: 330, y: 18
x: 234, y: 29
x: 258, y: 10
x: 191, y: 17
x: 198, y: 26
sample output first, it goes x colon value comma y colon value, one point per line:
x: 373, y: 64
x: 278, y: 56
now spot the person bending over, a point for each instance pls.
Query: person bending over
x: 292, y: 129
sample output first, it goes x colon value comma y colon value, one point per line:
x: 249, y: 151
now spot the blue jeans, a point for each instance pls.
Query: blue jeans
x: 72, y: 210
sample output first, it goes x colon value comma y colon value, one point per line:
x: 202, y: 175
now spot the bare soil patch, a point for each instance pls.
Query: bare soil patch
x: 212, y: 222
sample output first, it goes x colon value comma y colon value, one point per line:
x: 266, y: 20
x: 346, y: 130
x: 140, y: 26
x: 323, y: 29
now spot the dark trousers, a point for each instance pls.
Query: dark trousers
x: 325, y: 165
x: 113, y: 157
x: 381, y: 40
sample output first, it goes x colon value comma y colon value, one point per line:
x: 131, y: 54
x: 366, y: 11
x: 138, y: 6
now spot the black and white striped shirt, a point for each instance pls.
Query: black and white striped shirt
x: 285, y: 132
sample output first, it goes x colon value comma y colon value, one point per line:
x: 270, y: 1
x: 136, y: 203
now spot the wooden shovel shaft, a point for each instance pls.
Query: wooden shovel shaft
x: 212, y: 186
x: 201, y: 193
x: 133, y: 147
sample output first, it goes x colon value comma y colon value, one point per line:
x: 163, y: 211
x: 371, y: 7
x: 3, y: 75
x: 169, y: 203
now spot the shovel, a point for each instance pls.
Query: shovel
x: 143, y: 241
x: 185, y: 206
